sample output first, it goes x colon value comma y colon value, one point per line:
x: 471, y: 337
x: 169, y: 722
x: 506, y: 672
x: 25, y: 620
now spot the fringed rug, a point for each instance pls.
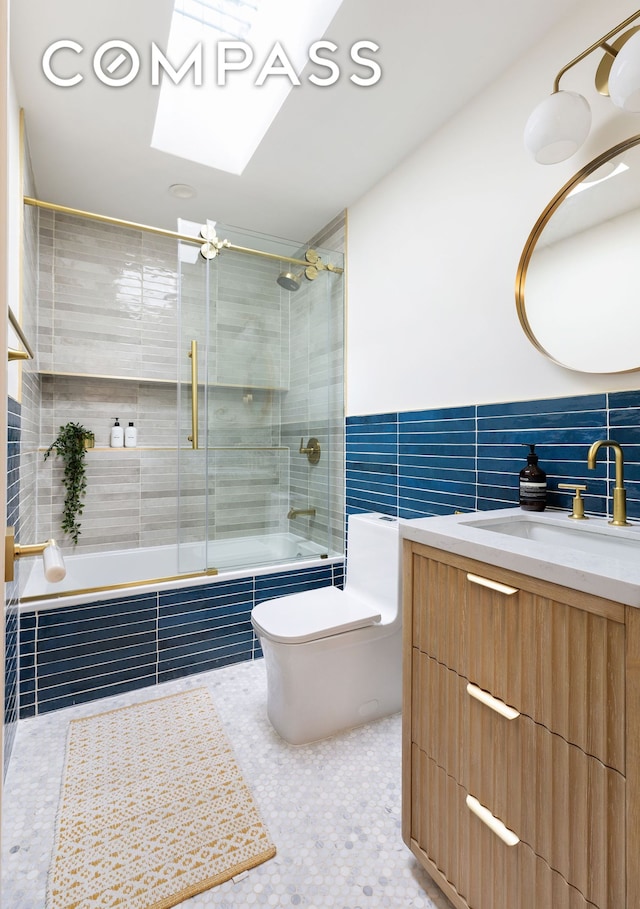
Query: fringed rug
x: 153, y: 808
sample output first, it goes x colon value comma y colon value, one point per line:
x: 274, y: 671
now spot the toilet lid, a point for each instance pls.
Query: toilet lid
x: 311, y: 615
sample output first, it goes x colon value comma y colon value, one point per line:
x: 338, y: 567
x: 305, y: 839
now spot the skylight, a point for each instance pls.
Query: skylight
x: 228, y: 43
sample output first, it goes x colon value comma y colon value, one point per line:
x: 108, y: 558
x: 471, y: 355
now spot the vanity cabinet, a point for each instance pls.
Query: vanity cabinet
x: 520, y: 738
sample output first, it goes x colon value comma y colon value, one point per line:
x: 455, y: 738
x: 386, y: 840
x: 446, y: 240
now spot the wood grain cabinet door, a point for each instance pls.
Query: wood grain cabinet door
x: 519, y: 755
x: 562, y: 666
x: 475, y: 867
x: 567, y: 806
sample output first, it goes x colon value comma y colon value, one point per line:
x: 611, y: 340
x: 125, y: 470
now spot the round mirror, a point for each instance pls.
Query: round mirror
x: 578, y: 281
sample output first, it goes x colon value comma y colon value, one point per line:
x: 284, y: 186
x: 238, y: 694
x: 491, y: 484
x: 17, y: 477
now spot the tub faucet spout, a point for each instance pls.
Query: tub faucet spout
x: 619, y: 494
x: 297, y: 512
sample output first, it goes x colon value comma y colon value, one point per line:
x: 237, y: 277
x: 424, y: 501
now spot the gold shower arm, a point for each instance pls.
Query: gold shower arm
x: 193, y: 353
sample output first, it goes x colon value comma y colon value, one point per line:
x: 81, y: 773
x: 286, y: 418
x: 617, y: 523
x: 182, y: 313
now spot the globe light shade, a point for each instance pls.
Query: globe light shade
x: 557, y: 127
x: 624, y: 78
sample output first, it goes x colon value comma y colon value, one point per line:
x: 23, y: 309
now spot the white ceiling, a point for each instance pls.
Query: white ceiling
x: 90, y: 145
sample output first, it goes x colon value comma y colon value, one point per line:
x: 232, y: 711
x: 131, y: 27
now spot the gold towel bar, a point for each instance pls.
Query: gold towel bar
x: 27, y: 353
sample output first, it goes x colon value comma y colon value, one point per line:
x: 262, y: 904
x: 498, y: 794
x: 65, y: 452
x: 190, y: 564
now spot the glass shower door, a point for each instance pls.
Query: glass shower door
x: 265, y: 483
x: 195, y: 276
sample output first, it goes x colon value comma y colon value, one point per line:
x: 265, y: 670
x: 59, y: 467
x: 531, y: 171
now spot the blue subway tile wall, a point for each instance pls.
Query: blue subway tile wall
x: 281, y: 584
x: 468, y: 458
x: 624, y: 427
x: 372, y: 463
x: 202, y: 628
x: 73, y: 654
x: 11, y: 593
x: 437, y: 461
x: 562, y: 430
x: 28, y: 624
x: 105, y: 647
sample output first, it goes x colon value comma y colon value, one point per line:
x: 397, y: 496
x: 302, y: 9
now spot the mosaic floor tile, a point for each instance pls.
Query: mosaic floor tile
x: 332, y: 808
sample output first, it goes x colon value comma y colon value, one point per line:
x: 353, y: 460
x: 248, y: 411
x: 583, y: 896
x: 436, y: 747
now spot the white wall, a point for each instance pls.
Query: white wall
x: 433, y: 249
x: 14, y: 181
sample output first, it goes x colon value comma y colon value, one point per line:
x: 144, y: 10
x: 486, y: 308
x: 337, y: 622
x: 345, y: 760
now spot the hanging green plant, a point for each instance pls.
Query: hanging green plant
x: 71, y: 444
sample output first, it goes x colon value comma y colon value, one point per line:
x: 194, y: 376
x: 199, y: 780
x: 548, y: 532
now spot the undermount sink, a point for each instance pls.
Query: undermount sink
x: 592, y: 539
x: 589, y: 555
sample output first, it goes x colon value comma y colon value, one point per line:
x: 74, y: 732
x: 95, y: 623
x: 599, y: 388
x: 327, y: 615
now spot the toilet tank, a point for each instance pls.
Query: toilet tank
x: 373, y: 561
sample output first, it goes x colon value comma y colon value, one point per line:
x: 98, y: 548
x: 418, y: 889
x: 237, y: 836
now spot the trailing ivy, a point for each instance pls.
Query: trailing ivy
x: 69, y: 445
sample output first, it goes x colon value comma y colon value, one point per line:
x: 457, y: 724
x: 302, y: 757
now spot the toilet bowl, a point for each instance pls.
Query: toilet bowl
x: 334, y: 657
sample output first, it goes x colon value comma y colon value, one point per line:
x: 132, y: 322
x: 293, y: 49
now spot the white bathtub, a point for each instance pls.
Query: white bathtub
x: 99, y: 576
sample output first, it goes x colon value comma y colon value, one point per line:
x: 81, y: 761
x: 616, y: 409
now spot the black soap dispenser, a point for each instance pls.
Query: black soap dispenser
x: 533, y: 484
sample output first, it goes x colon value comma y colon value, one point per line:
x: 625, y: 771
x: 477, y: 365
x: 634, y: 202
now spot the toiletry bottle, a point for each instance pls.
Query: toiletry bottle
x: 117, y: 436
x: 533, y: 484
x: 130, y: 436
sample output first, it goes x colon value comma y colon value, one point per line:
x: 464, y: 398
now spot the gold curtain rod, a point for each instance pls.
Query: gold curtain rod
x: 64, y: 209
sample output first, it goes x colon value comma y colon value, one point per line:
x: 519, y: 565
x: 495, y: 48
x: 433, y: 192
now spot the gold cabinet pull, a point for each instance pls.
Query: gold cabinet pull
x: 492, y: 585
x: 508, y: 837
x: 509, y: 713
x: 193, y: 353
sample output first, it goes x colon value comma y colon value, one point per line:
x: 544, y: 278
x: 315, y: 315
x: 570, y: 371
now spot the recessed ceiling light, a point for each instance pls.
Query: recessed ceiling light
x: 182, y: 191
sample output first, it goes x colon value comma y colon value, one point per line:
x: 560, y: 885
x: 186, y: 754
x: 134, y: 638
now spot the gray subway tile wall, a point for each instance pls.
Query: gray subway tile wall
x: 111, y: 302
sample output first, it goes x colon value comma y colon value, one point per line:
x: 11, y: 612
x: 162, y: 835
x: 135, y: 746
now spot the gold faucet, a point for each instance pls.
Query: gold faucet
x: 619, y: 495
x: 296, y: 512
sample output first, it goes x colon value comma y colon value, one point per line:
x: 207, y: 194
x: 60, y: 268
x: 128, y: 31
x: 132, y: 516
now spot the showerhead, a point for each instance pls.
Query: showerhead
x: 289, y: 281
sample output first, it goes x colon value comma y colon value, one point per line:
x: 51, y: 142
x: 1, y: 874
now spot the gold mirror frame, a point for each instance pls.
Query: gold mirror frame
x: 533, y: 238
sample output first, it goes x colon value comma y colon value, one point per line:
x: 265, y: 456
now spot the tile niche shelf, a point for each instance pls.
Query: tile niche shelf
x: 78, y: 398
x: 150, y: 380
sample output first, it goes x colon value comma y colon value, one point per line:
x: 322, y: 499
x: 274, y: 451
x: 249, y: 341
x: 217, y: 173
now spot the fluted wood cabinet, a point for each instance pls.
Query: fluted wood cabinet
x: 520, y: 737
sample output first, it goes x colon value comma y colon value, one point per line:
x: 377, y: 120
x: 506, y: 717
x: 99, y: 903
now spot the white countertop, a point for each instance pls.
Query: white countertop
x: 605, y: 575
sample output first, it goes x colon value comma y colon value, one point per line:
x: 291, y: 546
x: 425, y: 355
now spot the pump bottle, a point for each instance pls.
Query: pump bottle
x: 117, y: 436
x: 533, y: 484
x: 130, y: 436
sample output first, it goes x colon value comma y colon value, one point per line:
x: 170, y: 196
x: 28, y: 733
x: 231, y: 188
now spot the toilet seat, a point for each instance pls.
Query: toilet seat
x: 312, y: 615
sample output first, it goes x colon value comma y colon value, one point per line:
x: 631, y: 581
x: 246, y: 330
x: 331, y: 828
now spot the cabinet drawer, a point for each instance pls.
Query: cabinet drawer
x: 559, y: 665
x: 456, y: 846
x: 567, y: 806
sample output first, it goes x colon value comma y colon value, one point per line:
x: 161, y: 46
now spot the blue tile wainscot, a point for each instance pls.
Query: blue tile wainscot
x: 73, y: 654
x: 429, y: 462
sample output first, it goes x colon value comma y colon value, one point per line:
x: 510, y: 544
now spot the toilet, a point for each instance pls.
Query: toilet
x: 334, y: 657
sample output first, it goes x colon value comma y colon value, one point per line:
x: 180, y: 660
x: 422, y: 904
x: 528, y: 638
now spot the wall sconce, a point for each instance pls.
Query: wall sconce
x: 560, y: 124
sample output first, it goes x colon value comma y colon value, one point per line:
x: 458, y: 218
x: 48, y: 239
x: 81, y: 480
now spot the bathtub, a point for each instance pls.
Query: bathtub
x: 92, y: 577
x: 132, y: 619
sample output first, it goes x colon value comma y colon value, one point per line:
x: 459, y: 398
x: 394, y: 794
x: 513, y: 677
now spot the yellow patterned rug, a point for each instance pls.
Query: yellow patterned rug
x: 153, y: 808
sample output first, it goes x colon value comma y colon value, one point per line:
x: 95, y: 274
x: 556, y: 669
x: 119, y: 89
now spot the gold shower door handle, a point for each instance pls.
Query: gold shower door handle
x: 193, y: 353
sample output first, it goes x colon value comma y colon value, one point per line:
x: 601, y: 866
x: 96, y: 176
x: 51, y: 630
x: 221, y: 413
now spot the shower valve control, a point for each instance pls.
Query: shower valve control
x: 312, y: 450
